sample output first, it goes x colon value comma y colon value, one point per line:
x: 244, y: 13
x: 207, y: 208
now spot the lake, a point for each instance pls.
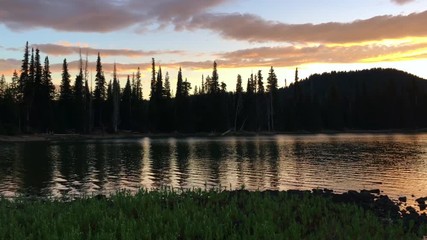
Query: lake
x: 396, y: 164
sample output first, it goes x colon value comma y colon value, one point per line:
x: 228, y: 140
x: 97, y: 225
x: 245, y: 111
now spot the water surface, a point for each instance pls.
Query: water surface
x: 396, y: 164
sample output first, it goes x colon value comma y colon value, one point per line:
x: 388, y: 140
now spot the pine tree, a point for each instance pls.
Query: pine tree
x: 126, y: 105
x: 3, y: 86
x: 167, y: 88
x: 37, y: 74
x: 272, y: 90
x: 250, y: 87
x: 296, y: 75
x: 47, y: 85
x: 99, y: 95
x: 153, y: 78
x: 203, y: 91
x: 138, y: 85
x: 47, y: 95
x: 239, y: 88
x: 214, y: 84
x: 260, y: 83
x: 78, y: 85
x: 14, y: 87
x: 78, y: 97
x: 223, y: 87
x: 272, y: 81
x: 116, y: 101
x: 24, y: 78
x: 159, y: 84
x: 186, y: 87
x: 65, y: 100
x: 179, y: 85
x: 99, y: 82
x: 66, y: 93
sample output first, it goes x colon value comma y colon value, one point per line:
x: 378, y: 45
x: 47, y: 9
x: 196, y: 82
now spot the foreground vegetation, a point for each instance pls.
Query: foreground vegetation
x: 196, y: 214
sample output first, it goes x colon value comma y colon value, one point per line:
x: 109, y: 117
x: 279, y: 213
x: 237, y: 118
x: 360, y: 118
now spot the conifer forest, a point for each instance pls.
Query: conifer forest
x: 375, y: 99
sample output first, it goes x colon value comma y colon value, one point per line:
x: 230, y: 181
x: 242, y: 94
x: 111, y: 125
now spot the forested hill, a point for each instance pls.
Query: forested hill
x: 374, y: 80
x: 361, y: 100
x: 367, y: 99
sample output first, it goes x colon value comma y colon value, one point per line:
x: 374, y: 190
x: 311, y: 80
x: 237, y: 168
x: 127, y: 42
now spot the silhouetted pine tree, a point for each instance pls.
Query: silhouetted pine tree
x: 126, y: 106
x: 78, y: 100
x: 65, y: 100
x: 47, y: 96
x: 99, y: 95
x: 167, y: 88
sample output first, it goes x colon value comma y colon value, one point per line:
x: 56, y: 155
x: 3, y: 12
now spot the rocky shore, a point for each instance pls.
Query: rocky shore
x: 371, y: 200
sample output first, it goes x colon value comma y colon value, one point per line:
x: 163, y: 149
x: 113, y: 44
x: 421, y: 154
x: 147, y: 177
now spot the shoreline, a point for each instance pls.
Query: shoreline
x: 134, y: 135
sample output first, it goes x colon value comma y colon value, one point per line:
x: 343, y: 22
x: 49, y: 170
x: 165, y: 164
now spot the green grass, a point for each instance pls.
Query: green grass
x: 196, y: 214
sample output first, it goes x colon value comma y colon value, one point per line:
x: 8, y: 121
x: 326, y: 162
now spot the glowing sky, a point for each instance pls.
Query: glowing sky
x: 242, y: 35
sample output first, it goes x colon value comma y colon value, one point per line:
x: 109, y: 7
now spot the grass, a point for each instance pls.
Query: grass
x: 194, y: 214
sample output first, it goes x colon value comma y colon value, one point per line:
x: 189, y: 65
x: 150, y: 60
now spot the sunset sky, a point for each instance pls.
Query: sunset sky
x: 243, y: 36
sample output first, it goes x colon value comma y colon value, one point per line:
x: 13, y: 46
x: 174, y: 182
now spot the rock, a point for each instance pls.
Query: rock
x: 411, y: 209
x: 328, y: 190
x: 317, y: 191
x: 421, y: 200
x: 403, y: 199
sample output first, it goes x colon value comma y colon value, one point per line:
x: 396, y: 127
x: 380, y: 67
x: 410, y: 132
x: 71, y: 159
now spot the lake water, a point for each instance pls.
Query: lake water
x: 396, y: 164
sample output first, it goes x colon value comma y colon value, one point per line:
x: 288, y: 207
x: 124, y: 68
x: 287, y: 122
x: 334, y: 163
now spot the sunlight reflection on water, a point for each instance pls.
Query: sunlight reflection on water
x: 396, y: 164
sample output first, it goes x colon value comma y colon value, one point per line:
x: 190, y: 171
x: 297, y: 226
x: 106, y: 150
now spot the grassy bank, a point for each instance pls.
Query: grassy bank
x: 196, y: 215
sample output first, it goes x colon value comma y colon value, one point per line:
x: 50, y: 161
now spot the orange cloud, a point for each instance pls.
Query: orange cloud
x: 253, y: 28
x: 7, y: 66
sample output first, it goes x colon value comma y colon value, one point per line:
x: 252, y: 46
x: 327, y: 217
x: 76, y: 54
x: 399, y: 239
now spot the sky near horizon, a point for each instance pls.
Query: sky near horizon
x: 243, y: 36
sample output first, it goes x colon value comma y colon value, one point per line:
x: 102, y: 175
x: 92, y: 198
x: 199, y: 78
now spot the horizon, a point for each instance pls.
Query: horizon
x: 242, y: 36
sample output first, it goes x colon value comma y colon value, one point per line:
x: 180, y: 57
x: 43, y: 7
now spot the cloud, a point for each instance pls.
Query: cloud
x: 294, y: 56
x: 401, y: 2
x: 280, y: 56
x: 97, y: 15
x: 250, y: 27
x: 109, y: 16
x: 68, y: 49
x: 7, y: 66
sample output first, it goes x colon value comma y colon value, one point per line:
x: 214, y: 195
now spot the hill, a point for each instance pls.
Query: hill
x: 367, y: 99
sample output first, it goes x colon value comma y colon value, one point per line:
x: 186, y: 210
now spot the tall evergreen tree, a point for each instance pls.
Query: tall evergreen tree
x: 239, y: 88
x: 260, y: 82
x: 159, y: 84
x: 65, y: 100
x: 126, y: 105
x: 272, y: 81
x: 214, y: 84
x: 47, y: 96
x: 296, y: 75
x: 99, y: 95
x: 25, y: 71
x: 153, y: 78
x: 179, y: 85
x: 66, y: 93
x: 78, y: 97
x: 3, y: 86
x: 116, y: 101
x: 167, y: 88
x: 272, y: 90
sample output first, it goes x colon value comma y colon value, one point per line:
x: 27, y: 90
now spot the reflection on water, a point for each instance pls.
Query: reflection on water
x: 396, y: 164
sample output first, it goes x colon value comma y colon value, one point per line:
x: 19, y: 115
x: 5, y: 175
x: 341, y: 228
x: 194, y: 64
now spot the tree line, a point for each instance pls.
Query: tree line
x: 368, y: 99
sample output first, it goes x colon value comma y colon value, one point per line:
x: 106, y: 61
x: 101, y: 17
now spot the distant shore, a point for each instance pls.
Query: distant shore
x: 43, y: 137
